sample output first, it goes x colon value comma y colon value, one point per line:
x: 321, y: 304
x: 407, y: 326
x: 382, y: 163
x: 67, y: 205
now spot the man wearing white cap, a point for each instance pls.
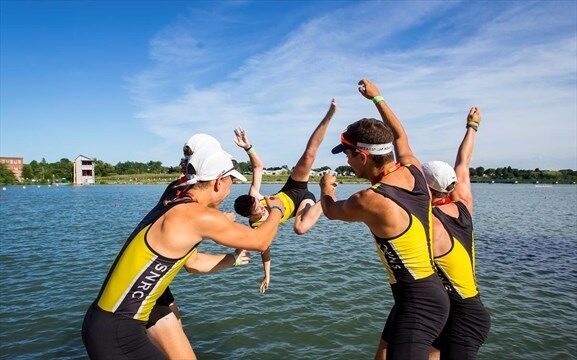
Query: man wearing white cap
x: 164, y: 242
x: 454, y: 248
x: 397, y: 210
x: 164, y: 326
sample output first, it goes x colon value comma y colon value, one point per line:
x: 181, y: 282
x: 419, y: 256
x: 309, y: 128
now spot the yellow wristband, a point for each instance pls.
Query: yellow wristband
x: 473, y: 125
x: 235, y: 256
x: 377, y: 99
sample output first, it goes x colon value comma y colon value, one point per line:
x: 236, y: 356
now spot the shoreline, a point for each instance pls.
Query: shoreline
x: 164, y: 179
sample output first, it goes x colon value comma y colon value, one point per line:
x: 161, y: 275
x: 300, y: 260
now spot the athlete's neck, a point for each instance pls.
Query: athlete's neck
x: 383, y: 172
x: 202, y: 196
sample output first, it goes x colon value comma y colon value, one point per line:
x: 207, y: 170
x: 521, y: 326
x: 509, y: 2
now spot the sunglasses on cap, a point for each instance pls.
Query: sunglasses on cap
x: 352, y: 147
x: 226, y: 172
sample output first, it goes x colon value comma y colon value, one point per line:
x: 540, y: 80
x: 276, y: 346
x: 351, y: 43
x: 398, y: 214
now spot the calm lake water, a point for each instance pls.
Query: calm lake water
x: 328, y: 298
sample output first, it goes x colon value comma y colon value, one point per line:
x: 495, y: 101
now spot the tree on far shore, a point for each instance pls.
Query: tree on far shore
x: 7, y: 177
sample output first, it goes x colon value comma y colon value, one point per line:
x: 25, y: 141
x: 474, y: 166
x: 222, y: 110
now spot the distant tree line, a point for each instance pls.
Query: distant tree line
x: 509, y: 174
x: 62, y: 171
x: 45, y: 173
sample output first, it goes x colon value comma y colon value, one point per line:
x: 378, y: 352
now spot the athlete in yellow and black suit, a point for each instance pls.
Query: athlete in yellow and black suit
x: 165, y: 241
x: 397, y: 211
x: 454, y: 248
x: 299, y: 203
x: 421, y: 303
x: 138, y: 277
x: 469, y: 322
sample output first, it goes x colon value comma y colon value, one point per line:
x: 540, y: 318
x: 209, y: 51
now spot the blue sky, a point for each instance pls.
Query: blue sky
x: 133, y: 80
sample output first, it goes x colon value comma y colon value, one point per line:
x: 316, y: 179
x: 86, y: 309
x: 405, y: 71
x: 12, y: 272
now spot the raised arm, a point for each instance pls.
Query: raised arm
x: 404, y: 153
x: 462, y: 190
x: 241, y: 139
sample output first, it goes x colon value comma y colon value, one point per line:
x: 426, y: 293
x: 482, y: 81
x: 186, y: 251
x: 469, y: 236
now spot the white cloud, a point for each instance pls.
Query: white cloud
x: 519, y: 67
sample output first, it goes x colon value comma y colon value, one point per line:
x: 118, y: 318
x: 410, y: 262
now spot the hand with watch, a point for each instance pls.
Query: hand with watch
x: 274, y: 203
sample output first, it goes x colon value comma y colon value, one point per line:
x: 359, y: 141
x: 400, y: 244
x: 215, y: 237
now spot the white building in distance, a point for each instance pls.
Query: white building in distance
x: 83, y: 171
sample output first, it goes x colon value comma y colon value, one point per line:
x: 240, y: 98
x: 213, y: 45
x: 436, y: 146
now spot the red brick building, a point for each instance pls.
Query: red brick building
x: 14, y: 164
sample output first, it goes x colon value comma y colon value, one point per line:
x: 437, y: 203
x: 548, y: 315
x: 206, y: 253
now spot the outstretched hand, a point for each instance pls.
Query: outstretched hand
x: 274, y: 201
x: 368, y: 89
x: 264, y: 284
x: 242, y: 258
x: 241, y: 139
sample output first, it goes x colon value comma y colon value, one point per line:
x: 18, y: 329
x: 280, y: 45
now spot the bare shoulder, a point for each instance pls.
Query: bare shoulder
x: 193, y: 213
x: 371, y: 201
x: 463, y: 194
x: 363, y: 198
x: 408, y: 160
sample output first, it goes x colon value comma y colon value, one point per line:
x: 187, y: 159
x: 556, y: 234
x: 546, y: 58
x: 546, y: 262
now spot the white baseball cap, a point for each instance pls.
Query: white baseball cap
x: 439, y: 175
x: 200, y: 142
x: 210, y: 165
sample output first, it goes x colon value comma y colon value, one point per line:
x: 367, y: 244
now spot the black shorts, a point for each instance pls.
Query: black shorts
x: 109, y: 336
x: 161, y: 308
x: 417, y: 318
x: 466, y: 329
x: 297, y: 191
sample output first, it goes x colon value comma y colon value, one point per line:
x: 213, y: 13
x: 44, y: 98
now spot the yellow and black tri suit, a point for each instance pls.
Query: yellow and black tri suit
x: 291, y: 195
x: 421, y: 303
x: 114, y: 326
x: 469, y: 322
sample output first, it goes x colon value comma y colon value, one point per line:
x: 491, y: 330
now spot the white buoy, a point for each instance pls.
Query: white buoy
x: 37, y: 185
x: 23, y: 187
x: 49, y: 185
x: 4, y: 188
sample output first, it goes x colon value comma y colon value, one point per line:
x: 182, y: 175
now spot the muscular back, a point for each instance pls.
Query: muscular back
x: 387, y: 218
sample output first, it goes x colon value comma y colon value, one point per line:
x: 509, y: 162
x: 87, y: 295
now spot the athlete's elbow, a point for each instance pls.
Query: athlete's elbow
x: 262, y: 247
x: 299, y: 230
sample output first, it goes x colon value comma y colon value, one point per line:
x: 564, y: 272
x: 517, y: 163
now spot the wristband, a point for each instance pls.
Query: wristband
x: 473, y: 125
x: 248, y: 149
x: 377, y: 99
x: 235, y: 256
x: 276, y: 207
